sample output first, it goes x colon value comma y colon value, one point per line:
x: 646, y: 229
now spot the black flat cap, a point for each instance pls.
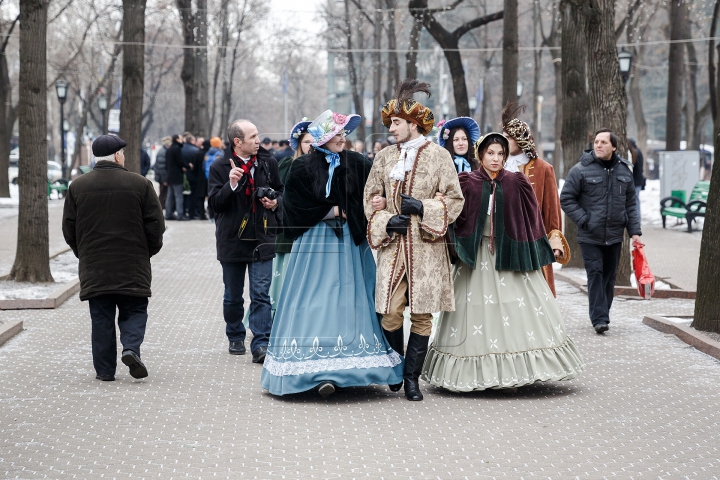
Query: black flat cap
x: 106, y: 145
x: 266, y: 140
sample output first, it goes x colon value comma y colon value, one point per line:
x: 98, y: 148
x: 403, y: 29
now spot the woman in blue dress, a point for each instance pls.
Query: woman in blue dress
x: 326, y: 333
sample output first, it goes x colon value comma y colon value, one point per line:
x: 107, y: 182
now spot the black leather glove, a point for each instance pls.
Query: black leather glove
x: 411, y: 206
x: 398, y: 224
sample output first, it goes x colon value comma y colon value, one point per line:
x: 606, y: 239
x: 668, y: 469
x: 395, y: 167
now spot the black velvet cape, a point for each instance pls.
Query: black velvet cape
x: 305, y: 204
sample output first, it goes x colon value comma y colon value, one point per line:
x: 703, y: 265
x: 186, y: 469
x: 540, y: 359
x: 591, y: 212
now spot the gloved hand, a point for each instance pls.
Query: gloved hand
x: 398, y: 224
x: 411, y: 206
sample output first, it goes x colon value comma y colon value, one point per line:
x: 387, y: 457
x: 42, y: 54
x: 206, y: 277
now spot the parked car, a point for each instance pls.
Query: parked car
x: 54, y: 169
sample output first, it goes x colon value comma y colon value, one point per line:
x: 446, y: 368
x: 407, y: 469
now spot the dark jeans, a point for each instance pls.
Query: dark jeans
x: 259, y: 275
x: 601, y: 264
x: 163, y: 194
x: 174, y: 201
x: 131, y: 320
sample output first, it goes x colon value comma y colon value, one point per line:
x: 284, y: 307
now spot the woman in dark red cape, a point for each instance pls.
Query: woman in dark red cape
x: 506, y: 330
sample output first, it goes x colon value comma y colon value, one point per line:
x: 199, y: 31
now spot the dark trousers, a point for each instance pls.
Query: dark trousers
x: 131, y: 320
x: 163, y: 194
x: 174, y: 201
x: 260, y: 321
x: 601, y: 264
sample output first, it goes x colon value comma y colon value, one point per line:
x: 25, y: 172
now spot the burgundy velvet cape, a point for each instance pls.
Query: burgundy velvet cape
x: 520, y: 240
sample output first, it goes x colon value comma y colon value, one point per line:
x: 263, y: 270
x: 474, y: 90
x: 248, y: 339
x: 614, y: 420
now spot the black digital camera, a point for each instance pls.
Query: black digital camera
x: 267, y: 192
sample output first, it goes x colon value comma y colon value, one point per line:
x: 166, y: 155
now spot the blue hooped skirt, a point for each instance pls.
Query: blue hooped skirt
x: 325, y: 326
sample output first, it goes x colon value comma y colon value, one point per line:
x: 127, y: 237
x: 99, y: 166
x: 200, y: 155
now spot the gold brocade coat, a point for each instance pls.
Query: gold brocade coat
x: 423, y: 253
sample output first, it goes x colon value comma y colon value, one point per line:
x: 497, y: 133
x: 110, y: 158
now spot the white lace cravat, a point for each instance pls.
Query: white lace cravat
x: 408, y: 152
x: 514, y: 162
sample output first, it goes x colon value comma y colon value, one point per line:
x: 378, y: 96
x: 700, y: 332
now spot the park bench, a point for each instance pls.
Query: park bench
x: 675, y: 206
x: 59, y: 186
x: 84, y: 168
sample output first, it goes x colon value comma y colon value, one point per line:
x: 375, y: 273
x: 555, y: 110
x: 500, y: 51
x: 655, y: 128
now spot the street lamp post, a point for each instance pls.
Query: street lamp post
x: 625, y: 59
x: 520, y: 87
x: 445, y: 110
x: 61, y: 87
x: 472, y: 103
x: 102, y: 105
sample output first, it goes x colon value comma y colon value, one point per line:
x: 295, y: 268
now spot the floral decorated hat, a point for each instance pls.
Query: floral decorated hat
x: 329, y: 124
x: 298, y: 131
x: 470, y: 126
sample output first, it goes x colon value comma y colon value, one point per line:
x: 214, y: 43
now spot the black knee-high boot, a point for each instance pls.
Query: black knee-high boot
x: 414, y: 358
x: 396, y: 340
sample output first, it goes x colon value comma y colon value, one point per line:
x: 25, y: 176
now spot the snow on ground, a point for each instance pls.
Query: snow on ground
x: 64, y: 268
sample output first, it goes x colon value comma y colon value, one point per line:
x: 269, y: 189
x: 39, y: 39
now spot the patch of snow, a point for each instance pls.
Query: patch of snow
x: 684, y: 320
x: 64, y: 268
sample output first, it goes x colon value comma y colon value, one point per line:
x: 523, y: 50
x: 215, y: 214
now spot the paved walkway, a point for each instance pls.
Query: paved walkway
x: 647, y: 405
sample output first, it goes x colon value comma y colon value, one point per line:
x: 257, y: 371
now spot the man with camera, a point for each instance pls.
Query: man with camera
x: 245, y: 192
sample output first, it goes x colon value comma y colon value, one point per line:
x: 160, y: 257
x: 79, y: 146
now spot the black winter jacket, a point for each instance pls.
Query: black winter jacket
x: 113, y: 222
x: 189, y: 155
x: 601, y: 201
x: 257, y: 241
x: 160, y: 167
x: 174, y: 164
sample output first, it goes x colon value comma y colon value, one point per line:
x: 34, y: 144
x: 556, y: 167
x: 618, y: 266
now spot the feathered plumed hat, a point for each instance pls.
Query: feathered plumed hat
x: 518, y: 129
x: 406, y: 107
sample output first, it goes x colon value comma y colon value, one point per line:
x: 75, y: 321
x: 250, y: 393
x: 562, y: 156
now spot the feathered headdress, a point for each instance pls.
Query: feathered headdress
x: 406, y: 107
x: 517, y: 129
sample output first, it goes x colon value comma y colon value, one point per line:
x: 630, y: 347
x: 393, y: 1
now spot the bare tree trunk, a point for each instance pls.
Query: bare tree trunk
x: 352, y: 73
x: 558, y: 162
x: 32, y: 259
x: 537, y: 69
x: 187, y: 75
x: 393, y: 76
x: 510, y: 51
x: 411, y: 56
x: 8, y: 114
x: 575, y: 104
x: 80, y: 128
x: 707, y: 308
x: 691, y: 97
x: 377, y: 73
x: 636, y: 100
x: 450, y: 43
x: 608, y: 102
x: 219, y: 61
x: 202, y: 113
x: 679, y: 17
x: 133, y: 81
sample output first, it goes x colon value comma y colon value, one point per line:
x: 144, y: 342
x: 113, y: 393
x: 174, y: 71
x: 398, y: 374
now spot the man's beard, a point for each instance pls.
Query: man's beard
x: 407, y: 137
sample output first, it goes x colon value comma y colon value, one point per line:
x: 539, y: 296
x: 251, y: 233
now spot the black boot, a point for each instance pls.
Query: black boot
x: 396, y: 340
x: 414, y: 359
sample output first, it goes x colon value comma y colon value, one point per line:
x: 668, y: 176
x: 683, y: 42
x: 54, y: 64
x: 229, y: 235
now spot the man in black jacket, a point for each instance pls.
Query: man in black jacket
x: 113, y: 222
x: 599, y: 196
x: 175, y: 170
x: 246, y: 223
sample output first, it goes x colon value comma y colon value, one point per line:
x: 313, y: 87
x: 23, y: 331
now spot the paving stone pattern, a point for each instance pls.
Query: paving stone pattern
x: 647, y: 405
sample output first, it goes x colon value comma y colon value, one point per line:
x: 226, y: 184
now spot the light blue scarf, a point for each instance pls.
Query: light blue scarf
x: 334, y: 160
x: 462, y: 164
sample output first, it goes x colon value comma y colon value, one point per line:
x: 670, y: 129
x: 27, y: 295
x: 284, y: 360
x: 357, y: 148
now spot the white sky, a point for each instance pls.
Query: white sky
x: 299, y: 14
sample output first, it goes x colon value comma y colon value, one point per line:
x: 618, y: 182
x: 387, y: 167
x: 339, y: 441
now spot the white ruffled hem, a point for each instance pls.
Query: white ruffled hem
x: 279, y: 369
x: 502, y: 370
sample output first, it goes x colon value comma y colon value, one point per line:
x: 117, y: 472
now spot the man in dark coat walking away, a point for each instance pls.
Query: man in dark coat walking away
x: 245, y: 192
x: 175, y: 172
x: 599, y: 196
x: 114, y: 223
x: 160, y: 169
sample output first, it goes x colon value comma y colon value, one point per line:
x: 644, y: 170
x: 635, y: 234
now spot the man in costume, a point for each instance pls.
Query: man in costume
x: 407, y: 225
x: 524, y: 158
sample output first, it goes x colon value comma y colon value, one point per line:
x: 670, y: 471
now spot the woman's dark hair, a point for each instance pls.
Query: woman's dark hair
x: 492, y: 141
x: 175, y: 137
x: 318, y: 167
x: 470, y: 155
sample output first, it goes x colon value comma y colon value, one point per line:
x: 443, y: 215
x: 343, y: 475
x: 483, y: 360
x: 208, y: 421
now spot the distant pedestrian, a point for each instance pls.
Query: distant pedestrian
x: 144, y: 162
x: 246, y: 196
x: 599, y: 196
x: 275, y: 147
x: 113, y: 222
x: 638, y: 162
x: 216, y: 152
x: 175, y: 175
x: 201, y: 189
x: 267, y: 145
x: 190, y: 154
x: 360, y: 147
x: 160, y: 169
x: 284, y: 151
